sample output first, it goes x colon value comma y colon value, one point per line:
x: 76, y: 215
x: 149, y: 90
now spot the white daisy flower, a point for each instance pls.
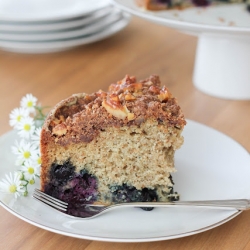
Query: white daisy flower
x: 37, y: 159
x: 12, y: 185
x: 36, y: 136
x: 26, y: 127
x: 25, y: 151
x: 17, y: 115
x: 29, y: 102
x: 18, y: 146
x: 30, y: 170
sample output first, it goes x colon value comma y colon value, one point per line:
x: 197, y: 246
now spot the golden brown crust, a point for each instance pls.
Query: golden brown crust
x: 81, y: 117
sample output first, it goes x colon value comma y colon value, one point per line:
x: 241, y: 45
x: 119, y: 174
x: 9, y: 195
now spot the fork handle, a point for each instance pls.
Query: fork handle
x: 239, y: 204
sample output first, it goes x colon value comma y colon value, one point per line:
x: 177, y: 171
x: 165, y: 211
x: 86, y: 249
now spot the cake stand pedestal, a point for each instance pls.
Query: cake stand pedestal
x: 222, y: 66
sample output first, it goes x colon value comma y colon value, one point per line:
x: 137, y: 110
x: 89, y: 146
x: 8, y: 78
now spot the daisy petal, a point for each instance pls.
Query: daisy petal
x: 29, y: 102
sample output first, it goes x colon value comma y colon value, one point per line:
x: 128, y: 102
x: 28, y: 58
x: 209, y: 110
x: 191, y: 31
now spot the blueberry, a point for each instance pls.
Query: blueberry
x: 52, y: 190
x: 201, y: 3
x: 167, y: 2
x: 171, y: 179
x: 173, y: 196
x: 148, y: 195
x: 77, y: 189
x: 83, y: 191
x: 62, y: 173
x: 147, y: 208
x: 127, y: 193
x: 83, y: 172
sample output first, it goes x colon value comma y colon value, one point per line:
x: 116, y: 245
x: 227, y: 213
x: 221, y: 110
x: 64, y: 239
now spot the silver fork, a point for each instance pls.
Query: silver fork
x: 91, y: 210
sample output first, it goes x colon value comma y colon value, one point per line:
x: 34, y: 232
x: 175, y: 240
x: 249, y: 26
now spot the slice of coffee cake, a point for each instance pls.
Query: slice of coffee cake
x: 115, y: 146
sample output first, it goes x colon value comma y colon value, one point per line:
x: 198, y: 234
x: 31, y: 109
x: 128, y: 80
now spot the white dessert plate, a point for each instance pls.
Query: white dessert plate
x: 47, y: 10
x: 210, y: 165
x: 47, y: 46
x: 94, y: 27
x: 231, y: 18
x: 17, y: 27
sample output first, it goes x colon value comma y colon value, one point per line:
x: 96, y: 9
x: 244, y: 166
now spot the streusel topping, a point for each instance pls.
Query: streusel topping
x: 129, y: 102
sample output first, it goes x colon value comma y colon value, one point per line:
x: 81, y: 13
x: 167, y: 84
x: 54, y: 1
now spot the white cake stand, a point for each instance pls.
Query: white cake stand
x: 222, y: 65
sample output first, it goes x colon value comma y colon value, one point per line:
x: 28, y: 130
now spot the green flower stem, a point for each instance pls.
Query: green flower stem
x: 25, y: 185
x: 40, y: 114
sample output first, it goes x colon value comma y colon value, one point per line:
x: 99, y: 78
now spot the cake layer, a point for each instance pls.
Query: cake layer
x: 141, y: 157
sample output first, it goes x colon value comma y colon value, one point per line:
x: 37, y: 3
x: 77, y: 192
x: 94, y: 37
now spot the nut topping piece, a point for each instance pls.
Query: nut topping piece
x: 113, y: 106
x: 60, y: 129
x: 129, y: 97
x: 164, y: 94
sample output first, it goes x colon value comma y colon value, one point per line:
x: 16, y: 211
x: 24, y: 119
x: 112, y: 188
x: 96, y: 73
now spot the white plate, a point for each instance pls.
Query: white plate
x: 63, y: 44
x: 94, y: 27
x: 228, y: 19
x: 17, y: 27
x: 210, y: 165
x: 47, y: 10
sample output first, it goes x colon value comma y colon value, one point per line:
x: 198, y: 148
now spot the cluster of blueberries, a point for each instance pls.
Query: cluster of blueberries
x: 79, y: 189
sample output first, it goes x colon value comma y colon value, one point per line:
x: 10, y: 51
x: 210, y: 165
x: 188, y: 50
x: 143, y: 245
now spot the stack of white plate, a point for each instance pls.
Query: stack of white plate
x: 40, y: 26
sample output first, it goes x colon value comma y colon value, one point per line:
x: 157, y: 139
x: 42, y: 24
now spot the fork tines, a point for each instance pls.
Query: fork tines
x: 50, y: 201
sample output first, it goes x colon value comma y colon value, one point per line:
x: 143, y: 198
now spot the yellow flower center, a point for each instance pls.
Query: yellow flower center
x: 12, y: 188
x: 30, y: 170
x: 26, y: 127
x: 39, y: 160
x: 26, y: 154
x: 31, y: 182
x: 19, y: 118
x: 29, y: 104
